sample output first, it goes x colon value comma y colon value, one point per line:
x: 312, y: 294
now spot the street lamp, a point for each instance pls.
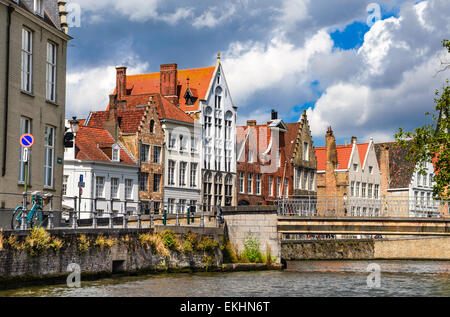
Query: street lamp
x: 74, y: 125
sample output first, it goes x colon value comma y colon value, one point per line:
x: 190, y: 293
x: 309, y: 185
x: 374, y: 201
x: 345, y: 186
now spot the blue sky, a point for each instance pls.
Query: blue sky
x: 290, y: 55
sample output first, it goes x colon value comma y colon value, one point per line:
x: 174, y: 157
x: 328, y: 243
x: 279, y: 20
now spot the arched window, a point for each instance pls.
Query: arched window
x: 208, y: 121
x: 218, y: 184
x: 152, y: 126
x: 228, y: 140
x: 218, y: 101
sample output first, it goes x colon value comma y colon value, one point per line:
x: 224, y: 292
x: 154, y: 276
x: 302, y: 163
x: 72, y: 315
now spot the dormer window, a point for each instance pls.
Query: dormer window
x: 115, y: 153
x: 39, y: 7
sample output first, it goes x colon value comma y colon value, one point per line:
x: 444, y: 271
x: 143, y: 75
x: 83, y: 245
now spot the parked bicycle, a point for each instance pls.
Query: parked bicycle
x: 35, y: 217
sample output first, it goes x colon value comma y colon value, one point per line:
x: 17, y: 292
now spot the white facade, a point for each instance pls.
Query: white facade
x: 106, y: 183
x: 218, y: 118
x: 182, y: 165
x: 365, y: 182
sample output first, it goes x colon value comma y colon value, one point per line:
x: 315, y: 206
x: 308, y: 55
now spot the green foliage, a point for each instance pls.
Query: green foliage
x: 83, y: 243
x: 432, y: 142
x: 251, y: 251
x: 187, y: 247
x: 207, y: 244
x: 170, y: 240
x: 37, y: 242
x: 155, y: 243
x: 229, y: 254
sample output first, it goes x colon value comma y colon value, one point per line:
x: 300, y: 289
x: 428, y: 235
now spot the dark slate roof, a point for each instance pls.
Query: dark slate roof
x: 401, y: 170
x: 51, y: 13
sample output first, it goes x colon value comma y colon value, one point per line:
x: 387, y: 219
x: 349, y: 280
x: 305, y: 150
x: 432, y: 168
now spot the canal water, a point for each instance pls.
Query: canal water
x: 306, y: 278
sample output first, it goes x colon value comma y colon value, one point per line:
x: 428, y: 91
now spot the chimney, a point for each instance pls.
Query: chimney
x: 251, y: 123
x: 111, y: 123
x: 63, y: 16
x: 121, y: 82
x: 384, y: 167
x: 169, y: 82
x: 330, y: 142
x: 274, y: 115
x: 354, y: 139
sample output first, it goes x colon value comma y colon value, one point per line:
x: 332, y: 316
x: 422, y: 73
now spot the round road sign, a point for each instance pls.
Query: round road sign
x: 27, y: 140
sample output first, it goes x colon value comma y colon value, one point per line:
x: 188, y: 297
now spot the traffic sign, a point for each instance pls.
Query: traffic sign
x: 25, y: 155
x: 27, y: 140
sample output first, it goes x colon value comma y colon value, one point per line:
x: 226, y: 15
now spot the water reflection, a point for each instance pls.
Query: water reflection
x: 307, y: 278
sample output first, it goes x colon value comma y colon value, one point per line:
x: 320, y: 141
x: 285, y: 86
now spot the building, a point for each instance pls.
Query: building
x: 401, y: 182
x: 271, y: 161
x: 203, y: 94
x: 348, y: 177
x: 33, y: 49
x: 109, y: 173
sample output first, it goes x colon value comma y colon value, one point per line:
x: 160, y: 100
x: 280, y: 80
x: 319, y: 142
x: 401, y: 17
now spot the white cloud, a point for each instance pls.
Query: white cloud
x: 215, y: 16
x: 253, y: 66
x: 89, y: 89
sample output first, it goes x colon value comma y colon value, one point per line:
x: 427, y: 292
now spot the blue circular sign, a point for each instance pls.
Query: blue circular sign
x: 27, y: 140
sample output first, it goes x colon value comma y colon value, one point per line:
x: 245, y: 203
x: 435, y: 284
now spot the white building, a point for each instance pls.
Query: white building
x: 109, y: 173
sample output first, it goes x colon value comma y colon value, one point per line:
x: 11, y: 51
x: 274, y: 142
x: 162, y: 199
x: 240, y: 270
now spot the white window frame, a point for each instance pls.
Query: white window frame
x: 27, y: 61
x: 39, y: 7
x: 100, y: 187
x: 51, y: 67
x: 193, y: 178
x: 49, y: 157
x: 258, y: 184
x: 128, y: 188
x: 115, y: 183
x: 171, y: 173
x: 155, y: 176
x: 182, y: 174
x: 241, y: 182
x: 270, y: 186
x: 250, y: 183
x: 156, y: 156
x: 145, y: 152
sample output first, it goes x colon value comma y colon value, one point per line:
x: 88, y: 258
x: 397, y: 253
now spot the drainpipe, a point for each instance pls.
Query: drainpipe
x: 5, y: 116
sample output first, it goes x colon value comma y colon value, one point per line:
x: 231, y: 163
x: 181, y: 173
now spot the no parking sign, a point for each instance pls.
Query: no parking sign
x: 27, y: 140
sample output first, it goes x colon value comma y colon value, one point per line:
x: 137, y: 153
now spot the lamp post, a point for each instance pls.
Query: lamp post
x: 345, y: 204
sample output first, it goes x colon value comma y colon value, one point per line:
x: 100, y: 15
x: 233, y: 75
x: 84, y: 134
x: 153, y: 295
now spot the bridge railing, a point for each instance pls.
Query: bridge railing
x: 362, y: 207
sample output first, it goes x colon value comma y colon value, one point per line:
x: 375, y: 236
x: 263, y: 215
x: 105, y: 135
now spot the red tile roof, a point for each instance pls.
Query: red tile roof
x: 199, y: 81
x: 90, y: 142
x: 343, y: 155
x: 130, y: 121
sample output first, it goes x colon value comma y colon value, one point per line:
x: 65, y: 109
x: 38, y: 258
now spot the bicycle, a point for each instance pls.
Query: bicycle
x: 35, y: 217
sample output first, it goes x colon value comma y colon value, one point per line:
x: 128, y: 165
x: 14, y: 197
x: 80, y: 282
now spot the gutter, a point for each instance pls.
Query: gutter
x: 5, y: 115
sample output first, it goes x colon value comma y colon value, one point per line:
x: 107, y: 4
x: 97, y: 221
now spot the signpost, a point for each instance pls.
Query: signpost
x: 26, y: 141
x: 81, y: 185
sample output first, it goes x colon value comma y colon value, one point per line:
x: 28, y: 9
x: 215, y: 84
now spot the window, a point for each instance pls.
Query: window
x: 250, y: 156
x: 428, y: 199
x: 172, y: 140
x: 430, y: 180
x: 311, y: 181
x: 156, y: 183
x: 370, y: 193
x: 182, y: 181
x: 298, y: 175
x: 422, y: 199
x: 207, y: 187
x: 371, y: 169
x: 305, y: 180
x: 218, y: 159
x: 352, y: 188
x: 357, y: 189
x: 143, y: 182
x: 27, y: 60
x: 355, y: 167
x: 241, y: 182
x: 128, y: 188
x: 270, y: 185
x: 64, y: 185
x: 218, y: 189
x: 193, y: 182
x: 49, y: 156
x: 286, y: 187
x: 278, y: 186
x: 218, y: 128
x: 156, y: 154
x: 208, y: 154
x: 250, y: 183
x: 416, y: 198
x: 114, y: 188
x: 194, y: 145
x: 419, y: 180
x: 51, y: 72
x: 376, y: 192
x: 182, y: 205
x: 25, y: 127
x: 171, y: 205
x: 145, y: 149
x: 228, y: 190
x: 99, y: 186
x: 258, y: 184
x: 305, y: 151
x: 228, y: 158
x: 218, y: 102
x: 183, y: 143
x: 228, y: 125
x: 208, y: 122
x: 38, y: 7
x: 116, y: 153
x: 171, y: 171
x: 152, y: 126
x: 363, y: 190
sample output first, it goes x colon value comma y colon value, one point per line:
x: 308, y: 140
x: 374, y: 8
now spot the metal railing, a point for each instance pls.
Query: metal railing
x: 362, y: 207
x: 115, y: 213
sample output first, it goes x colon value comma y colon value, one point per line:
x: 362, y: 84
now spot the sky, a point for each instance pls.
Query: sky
x: 327, y: 57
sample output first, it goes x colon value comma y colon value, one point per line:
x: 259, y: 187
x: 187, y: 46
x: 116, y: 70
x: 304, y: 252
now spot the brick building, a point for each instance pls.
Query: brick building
x: 269, y: 155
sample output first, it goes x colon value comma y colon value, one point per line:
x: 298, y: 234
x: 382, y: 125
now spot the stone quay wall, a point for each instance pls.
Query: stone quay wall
x: 127, y: 255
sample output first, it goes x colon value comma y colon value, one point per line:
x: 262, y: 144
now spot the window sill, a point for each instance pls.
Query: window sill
x: 51, y: 102
x: 30, y: 94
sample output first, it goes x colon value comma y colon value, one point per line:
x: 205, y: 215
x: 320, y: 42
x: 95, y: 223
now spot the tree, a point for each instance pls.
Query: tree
x: 430, y: 143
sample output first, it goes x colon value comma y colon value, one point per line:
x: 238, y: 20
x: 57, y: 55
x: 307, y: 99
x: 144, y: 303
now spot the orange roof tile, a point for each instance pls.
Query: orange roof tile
x: 90, y: 142
x: 129, y: 123
x: 343, y: 155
